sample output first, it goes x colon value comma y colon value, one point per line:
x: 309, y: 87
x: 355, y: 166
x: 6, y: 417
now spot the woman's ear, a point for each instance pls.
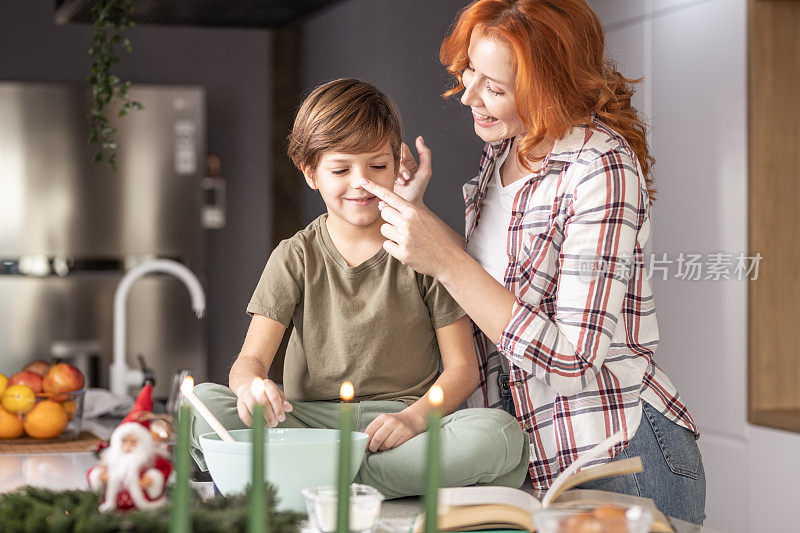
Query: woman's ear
x: 308, y: 174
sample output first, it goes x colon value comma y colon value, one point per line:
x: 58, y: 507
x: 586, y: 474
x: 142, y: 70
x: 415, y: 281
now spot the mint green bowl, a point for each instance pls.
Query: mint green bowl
x: 296, y: 458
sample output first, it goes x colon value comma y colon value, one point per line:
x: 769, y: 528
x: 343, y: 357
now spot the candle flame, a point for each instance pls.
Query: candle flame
x: 347, y: 391
x: 187, y: 386
x: 257, y: 388
x: 436, y: 395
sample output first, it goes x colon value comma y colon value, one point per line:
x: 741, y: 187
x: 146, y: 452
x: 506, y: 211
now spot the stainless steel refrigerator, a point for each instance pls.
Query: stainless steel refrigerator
x: 70, y: 227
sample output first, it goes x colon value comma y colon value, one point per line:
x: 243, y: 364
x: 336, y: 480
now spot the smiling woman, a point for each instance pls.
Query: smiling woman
x: 551, y: 268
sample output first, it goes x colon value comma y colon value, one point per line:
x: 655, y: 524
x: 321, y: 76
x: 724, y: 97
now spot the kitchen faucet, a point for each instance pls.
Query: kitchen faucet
x: 121, y: 377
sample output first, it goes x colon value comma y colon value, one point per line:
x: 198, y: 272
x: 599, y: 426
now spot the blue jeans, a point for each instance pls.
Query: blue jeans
x: 673, y: 475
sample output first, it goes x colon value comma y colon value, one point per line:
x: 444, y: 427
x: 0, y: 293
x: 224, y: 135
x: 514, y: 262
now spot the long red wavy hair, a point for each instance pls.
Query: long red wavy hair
x: 562, y: 75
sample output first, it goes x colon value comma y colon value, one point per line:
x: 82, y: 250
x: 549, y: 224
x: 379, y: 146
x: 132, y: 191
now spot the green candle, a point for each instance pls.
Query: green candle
x: 181, y: 521
x: 432, y: 471
x: 345, y: 444
x: 257, y: 517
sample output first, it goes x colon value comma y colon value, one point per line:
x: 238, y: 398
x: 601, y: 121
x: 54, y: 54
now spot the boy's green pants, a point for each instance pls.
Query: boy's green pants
x: 479, y: 446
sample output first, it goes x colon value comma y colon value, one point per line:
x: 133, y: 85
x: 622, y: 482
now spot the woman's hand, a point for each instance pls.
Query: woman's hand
x: 412, y: 180
x: 416, y: 237
x: 390, y: 430
x: 275, y: 404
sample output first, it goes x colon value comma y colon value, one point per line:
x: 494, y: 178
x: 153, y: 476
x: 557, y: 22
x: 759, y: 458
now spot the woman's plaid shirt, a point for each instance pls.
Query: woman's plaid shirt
x: 583, y: 330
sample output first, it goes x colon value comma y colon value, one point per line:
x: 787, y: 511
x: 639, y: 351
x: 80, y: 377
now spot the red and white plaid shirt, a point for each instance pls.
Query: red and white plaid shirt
x: 583, y: 330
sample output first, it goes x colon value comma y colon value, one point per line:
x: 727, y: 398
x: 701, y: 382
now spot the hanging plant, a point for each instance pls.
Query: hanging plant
x: 110, y: 18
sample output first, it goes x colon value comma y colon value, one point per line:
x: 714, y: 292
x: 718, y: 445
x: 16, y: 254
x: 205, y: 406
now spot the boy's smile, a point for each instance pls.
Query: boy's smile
x: 363, y: 201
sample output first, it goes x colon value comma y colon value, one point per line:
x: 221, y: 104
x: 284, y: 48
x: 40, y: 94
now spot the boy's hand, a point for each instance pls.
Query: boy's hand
x: 390, y: 430
x: 275, y: 404
x: 412, y: 180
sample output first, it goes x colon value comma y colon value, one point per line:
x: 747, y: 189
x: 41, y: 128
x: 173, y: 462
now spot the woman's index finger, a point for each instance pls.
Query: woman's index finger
x: 384, y: 194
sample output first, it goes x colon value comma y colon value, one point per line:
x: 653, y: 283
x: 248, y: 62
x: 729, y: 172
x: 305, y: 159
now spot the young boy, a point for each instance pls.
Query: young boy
x: 359, y: 315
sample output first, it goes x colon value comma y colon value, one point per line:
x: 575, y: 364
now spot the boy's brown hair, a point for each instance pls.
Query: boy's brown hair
x: 344, y: 115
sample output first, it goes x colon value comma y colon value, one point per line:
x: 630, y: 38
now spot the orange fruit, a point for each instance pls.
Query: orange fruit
x: 18, y: 399
x: 10, y: 425
x: 47, y: 420
x: 3, y: 383
x: 69, y: 407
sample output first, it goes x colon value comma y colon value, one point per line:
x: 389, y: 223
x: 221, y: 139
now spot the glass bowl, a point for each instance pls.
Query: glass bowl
x: 40, y: 417
x: 593, y: 518
x: 365, y: 508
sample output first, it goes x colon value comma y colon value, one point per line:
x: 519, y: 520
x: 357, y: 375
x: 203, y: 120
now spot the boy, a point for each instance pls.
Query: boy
x: 360, y: 315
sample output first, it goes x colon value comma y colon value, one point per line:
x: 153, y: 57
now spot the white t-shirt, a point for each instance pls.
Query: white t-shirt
x: 487, y: 244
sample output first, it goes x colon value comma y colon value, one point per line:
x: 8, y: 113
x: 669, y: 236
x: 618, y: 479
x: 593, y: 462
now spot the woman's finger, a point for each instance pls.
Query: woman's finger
x: 390, y: 232
x: 385, y: 194
x: 393, y: 249
x: 407, y: 162
x: 390, y: 214
x: 424, y: 155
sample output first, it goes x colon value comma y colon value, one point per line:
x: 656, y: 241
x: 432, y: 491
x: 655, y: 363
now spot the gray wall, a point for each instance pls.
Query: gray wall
x: 395, y: 45
x: 233, y: 66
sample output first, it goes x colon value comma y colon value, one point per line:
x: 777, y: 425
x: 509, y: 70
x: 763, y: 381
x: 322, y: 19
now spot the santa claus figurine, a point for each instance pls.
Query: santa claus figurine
x: 132, y: 473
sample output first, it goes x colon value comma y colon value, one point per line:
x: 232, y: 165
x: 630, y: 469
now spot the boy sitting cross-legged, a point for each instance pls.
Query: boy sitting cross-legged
x: 359, y: 315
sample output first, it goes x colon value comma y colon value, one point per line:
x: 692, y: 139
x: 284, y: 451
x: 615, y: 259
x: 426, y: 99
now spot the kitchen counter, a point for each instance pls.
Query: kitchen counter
x: 66, y: 471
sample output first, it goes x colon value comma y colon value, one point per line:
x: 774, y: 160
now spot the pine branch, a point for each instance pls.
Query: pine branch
x: 35, y: 510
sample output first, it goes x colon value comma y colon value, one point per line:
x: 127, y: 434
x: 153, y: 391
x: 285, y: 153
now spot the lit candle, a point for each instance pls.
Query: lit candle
x: 257, y: 517
x: 436, y: 396
x: 181, y: 521
x: 187, y: 388
x: 345, y: 444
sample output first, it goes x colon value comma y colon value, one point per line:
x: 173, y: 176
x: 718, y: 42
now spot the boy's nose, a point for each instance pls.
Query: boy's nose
x: 355, y: 178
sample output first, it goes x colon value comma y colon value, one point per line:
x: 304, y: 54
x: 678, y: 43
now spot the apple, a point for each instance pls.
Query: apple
x: 31, y: 379
x: 62, y: 377
x: 37, y: 367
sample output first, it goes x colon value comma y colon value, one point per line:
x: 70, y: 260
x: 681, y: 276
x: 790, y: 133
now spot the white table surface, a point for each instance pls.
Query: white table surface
x: 64, y: 471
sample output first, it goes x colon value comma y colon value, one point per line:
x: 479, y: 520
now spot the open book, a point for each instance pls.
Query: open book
x: 486, y: 507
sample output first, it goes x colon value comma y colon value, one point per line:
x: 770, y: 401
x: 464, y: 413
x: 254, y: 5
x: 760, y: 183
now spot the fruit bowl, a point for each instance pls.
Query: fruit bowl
x: 27, y: 416
x: 42, y: 402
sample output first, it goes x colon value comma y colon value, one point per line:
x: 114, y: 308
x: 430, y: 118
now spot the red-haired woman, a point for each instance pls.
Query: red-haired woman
x: 551, y: 271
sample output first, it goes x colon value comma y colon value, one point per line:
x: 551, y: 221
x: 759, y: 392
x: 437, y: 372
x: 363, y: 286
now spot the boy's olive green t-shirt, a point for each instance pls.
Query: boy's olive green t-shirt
x: 373, y: 324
